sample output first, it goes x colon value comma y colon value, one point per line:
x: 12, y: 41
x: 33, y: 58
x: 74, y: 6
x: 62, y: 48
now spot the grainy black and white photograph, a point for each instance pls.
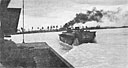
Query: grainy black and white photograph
x: 63, y: 33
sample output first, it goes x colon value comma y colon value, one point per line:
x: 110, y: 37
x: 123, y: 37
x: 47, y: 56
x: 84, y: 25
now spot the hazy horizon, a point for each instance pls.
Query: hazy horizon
x: 58, y: 12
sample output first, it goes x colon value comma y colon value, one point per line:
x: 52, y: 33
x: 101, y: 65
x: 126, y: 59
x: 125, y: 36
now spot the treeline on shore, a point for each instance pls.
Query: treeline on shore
x: 63, y: 29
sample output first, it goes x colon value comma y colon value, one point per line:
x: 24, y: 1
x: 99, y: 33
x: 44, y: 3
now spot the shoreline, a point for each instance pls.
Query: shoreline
x: 58, y: 30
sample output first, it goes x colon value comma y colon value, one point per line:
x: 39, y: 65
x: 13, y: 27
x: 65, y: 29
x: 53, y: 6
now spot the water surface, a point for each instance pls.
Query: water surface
x: 110, y: 51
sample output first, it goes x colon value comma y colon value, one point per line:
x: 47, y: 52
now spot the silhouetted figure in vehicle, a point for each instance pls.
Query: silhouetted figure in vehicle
x: 69, y: 30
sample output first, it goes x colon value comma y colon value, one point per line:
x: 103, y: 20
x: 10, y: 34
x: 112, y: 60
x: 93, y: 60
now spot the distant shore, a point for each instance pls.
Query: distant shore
x: 61, y: 29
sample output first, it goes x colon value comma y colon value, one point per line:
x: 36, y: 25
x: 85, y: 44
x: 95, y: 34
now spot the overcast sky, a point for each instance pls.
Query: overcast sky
x: 35, y: 7
x: 58, y: 10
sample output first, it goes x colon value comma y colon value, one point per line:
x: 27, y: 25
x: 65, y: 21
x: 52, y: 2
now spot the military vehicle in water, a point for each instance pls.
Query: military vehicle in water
x: 78, y: 36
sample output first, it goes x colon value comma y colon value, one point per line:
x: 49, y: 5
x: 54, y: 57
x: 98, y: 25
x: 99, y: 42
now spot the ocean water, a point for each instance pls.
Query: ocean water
x: 109, y: 51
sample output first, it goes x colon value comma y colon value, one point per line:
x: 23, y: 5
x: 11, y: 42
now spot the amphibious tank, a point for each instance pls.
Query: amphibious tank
x: 78, y: 36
